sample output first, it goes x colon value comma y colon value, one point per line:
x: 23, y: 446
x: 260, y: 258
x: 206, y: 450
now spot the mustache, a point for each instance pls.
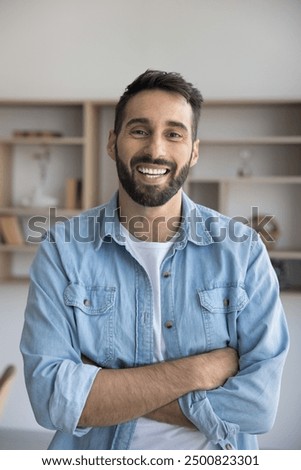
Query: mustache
x: 139, y: 159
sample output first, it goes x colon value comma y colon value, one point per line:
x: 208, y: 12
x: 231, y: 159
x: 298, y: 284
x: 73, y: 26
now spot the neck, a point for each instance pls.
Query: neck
x: 152, y: 224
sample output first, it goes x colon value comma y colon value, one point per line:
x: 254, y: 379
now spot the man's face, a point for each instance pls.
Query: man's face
x: 154, y: 149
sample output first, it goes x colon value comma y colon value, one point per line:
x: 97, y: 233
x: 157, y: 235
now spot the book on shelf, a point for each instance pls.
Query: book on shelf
x: 10, y: 230
x: 73, y: 193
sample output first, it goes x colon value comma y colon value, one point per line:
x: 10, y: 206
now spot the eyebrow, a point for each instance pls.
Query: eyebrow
x: 137, y: 121
x: 142, y: 120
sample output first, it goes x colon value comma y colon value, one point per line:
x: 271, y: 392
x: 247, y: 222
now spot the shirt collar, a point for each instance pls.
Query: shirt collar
x: 108, y: 223
x: 193, y: 226
x: 192, y: 229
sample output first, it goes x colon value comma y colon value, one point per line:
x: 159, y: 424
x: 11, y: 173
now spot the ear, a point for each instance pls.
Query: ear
x: 111, y: 145
x: 195, y: 152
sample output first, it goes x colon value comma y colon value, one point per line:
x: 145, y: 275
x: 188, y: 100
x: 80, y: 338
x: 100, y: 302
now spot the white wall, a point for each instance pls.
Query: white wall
x: 17, y: 411
x: 94, y: 48
x: 286, y: 433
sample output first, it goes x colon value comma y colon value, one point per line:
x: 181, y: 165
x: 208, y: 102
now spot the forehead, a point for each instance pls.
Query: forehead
x: 159, y: 107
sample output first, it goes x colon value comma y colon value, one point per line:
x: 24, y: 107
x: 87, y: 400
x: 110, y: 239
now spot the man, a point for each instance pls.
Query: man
x: 153, y: 331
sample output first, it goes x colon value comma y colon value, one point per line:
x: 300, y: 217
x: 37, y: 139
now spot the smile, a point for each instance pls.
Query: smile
x: 152, y: 172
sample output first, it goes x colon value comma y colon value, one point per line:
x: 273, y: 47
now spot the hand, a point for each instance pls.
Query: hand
x: 220, y: 364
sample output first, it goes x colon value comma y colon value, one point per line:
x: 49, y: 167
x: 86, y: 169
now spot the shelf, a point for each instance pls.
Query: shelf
x: 250, y: 180
x: 279, y: 140
x: 246, y: 102
x: 42, y: 141
x: 34, y: 211
x: 15, y: 280
x: 270, y: 130
x: 70, y: 132
x: 18, y: 248
x: 285, y: 254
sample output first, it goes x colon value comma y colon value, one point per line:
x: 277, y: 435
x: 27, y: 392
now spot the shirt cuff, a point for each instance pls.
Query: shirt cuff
x: 197, y: 408
x: 72, y: 385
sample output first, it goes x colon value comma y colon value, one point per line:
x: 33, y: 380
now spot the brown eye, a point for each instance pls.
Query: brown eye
x: 175, y: 135
x: 139, y: 133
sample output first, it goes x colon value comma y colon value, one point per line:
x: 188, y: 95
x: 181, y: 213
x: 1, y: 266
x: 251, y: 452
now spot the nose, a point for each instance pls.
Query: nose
x: 155, y: 146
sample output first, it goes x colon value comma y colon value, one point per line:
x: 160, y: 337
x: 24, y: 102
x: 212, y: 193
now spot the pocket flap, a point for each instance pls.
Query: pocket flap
x: 92, y: 300
x: 224, y: 299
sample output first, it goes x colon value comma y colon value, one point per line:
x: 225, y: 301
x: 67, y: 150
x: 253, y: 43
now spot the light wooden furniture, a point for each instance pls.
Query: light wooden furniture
x: 250, y: 157
x: 5, y: 384
x: 73, y: 153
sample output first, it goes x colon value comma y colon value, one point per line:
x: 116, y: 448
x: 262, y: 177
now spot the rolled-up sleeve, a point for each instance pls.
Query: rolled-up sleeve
x: 57, y: 381
x: 247, y: 403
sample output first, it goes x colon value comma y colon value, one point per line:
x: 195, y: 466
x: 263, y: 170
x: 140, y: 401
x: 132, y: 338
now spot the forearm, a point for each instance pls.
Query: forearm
x: 119, y: 395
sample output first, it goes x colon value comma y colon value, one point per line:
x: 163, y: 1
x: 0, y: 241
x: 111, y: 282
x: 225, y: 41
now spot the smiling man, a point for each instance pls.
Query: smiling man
x: 155, y: 333
x: 154, y: 153
x: 154, y: 150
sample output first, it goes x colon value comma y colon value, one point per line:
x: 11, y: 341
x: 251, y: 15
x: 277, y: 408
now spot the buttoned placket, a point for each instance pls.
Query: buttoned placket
x: 144, y: 344
x: 168, y: 317
x: 144, y: 351
x: 144, y: 317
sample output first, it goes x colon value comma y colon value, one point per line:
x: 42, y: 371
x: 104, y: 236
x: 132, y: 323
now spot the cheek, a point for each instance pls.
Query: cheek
x: 126, y: 150
x: 183, y: 157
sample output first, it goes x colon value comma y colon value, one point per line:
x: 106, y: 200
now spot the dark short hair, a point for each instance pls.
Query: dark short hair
x: 168, y: 81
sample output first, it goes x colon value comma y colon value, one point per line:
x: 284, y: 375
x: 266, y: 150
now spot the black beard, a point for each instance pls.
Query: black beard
x: 150, y: 195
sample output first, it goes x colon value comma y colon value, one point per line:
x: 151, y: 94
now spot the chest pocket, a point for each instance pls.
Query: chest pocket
x: 220, y: 307
x: 94, y: 308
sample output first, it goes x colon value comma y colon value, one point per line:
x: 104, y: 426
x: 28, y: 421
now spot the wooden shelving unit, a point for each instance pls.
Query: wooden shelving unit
x: 70, y: 129
x: 250, y: 157
x: 264, y: 135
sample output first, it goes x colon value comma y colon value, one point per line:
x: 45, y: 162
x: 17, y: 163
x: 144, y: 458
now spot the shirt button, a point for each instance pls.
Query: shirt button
x: 228, y: 447
x: 166, y: 274
x: 226, y: 302
x: 87, y: 303
x: 168, y: 324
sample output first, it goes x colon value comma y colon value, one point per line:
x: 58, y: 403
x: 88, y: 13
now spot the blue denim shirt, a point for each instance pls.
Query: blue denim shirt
x: 89, y: 296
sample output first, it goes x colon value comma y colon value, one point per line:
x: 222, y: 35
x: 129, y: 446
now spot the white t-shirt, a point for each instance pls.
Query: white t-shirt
x: 150, y: 434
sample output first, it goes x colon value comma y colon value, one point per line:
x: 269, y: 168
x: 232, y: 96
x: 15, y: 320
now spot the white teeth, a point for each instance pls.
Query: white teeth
x: 152, y: 171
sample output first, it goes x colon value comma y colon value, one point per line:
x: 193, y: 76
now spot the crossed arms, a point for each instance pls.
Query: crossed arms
x: 110, y: 396
x: 119, y: 395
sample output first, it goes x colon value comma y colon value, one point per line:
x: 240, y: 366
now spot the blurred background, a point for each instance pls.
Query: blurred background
x: 79, y: 50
